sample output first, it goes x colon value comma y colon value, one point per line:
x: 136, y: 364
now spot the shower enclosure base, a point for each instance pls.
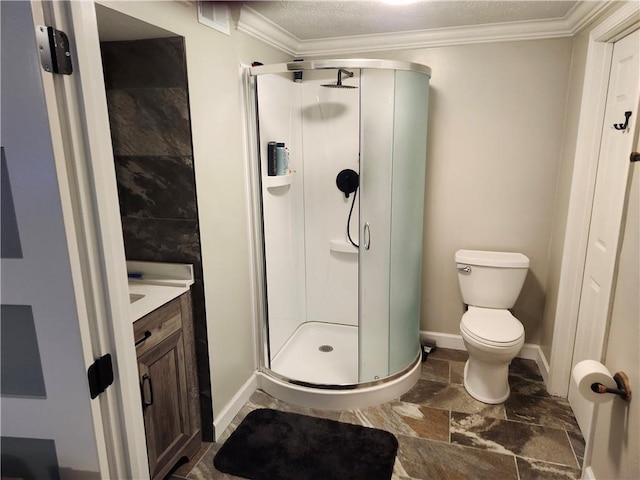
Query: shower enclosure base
x: 320, y: 353
x: 304, y: 373
x: 360, y: 396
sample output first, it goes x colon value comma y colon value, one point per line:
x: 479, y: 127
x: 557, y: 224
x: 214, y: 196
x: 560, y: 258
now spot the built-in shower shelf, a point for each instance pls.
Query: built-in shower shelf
x: 342, y: 247
x: 278, y: 180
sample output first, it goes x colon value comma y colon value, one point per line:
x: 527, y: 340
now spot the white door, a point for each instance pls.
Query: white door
x: 616, y: 439
x: 606, y: 216
x: 50, y: 427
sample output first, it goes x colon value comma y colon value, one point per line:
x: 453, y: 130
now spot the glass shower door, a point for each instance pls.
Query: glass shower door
x: 376, y: 148
x: 392, y: 173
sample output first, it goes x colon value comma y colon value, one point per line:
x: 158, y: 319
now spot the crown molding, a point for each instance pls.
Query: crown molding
x: 258, y: 26
x: 186, y: 3
x: 583, y: 13
x: 435, y: 38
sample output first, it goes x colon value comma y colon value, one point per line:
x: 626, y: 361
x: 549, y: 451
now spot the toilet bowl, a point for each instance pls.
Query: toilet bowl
x: 490, y: 283
x: 493, y: 337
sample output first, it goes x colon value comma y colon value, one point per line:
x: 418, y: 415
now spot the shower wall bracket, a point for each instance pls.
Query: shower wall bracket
x: 278, y: 180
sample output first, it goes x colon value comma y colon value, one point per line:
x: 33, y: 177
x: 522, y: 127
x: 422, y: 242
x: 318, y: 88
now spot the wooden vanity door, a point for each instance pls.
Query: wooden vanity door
x: 163, y: 381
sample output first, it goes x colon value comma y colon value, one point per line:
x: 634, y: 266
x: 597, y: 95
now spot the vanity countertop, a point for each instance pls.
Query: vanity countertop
x: 156, y: 285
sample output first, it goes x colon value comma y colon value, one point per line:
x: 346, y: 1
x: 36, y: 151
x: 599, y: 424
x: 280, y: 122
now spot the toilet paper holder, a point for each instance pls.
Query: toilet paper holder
x: 623, y: 390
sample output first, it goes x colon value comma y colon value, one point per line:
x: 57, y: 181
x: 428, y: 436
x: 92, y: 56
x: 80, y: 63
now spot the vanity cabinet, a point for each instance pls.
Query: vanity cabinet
x: 165, y: 348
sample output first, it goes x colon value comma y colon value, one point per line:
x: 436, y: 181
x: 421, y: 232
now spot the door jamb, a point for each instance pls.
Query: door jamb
x: 78, y: 110
x: 599, y: 54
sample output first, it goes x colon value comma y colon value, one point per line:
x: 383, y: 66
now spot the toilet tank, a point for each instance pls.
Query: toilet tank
x: 491, y: 279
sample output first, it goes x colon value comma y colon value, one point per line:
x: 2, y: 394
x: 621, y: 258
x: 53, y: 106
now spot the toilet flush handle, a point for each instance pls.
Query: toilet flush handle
x: 464, y: 268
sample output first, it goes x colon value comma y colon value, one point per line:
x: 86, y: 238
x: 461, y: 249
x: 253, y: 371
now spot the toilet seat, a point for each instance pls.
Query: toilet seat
x: 490, y: 326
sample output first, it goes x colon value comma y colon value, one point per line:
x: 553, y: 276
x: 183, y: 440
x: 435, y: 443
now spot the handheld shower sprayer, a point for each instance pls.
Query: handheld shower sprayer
x: 347, y: 182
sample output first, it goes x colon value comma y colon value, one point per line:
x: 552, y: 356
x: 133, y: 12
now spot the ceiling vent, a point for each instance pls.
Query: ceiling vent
x: 215, y: 15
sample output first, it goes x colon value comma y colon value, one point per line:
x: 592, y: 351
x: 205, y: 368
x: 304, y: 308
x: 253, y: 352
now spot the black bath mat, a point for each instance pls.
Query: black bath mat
x: 274, y: 445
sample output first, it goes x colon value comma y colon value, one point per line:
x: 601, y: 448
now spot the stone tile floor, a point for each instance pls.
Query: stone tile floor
x: 445, y: 433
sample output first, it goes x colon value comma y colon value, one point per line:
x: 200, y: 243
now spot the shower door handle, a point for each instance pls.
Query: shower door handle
x: 367, y: 236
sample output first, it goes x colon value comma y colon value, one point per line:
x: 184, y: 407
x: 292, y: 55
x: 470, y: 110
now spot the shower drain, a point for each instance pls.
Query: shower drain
x: 325, y: 348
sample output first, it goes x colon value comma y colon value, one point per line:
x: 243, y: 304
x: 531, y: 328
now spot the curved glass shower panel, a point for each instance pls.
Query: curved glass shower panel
x: 407, y: 212
x: 393, y: 158
x: 339, y: 316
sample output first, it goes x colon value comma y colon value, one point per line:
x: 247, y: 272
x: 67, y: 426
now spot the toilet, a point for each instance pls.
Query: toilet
x: 490, y: 283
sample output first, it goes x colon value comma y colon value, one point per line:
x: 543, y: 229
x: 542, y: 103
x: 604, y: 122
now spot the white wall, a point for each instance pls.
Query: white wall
x: 215, y: 102
x: 306, y: 280
x: 563, y: 188
x: 331, y: 126
x: 282, y: 208
x: 496, y: 119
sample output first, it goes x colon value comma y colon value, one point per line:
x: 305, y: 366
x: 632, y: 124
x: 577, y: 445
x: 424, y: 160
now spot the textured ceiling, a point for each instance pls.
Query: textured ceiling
x: 312, y: 20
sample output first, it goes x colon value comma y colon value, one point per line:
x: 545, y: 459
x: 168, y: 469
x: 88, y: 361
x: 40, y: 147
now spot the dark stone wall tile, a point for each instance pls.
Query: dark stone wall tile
x: 161, y: 240
x: 151, y: 136
x: 150, y: 121
x: 158, y: 62
x: 158, y: 187
x: 197, y: 271
x: 202, y: 358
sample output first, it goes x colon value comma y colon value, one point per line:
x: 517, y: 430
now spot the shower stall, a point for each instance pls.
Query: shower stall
x: 338, y: 194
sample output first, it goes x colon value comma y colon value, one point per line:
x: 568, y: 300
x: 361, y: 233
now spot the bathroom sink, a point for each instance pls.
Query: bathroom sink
x: 134, y: 297
x: 153, y: 284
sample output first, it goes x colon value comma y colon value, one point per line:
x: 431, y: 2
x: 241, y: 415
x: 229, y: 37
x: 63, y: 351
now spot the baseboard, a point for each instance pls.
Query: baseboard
x: 543, y: 365
x: 530, y: 351
x: 232, y: 408
x: 588, y: 474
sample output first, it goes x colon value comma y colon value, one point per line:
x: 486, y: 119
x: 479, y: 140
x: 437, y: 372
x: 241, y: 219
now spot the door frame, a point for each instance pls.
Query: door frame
x: 79, y: 122
x: 599, y: 54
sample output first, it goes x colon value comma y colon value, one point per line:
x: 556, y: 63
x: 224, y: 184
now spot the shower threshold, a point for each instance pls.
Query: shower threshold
x: 320, y: 353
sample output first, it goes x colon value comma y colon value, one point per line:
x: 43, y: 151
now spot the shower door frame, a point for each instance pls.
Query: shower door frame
x: 254, y: 193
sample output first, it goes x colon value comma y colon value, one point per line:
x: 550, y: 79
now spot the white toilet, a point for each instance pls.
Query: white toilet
x: 490, y: 283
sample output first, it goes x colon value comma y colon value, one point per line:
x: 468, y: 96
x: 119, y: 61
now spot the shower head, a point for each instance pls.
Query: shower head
x: 339, y: 84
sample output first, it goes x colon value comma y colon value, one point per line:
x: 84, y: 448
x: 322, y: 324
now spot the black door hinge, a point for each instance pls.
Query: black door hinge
x: 634, y: 157
x: 100, y: 375
x: 53, y: 46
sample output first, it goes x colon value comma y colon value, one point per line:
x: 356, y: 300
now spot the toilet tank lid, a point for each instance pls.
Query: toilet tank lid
x: 492, y: 259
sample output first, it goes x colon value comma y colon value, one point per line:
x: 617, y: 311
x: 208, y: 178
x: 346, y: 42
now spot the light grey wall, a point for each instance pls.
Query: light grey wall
x: 563, y: 188
x: 496, y: 119
x: 213, y: 66
x: 147, y: 98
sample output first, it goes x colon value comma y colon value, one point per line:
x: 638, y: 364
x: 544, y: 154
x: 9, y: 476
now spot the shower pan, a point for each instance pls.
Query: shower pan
x: 338, y: 229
